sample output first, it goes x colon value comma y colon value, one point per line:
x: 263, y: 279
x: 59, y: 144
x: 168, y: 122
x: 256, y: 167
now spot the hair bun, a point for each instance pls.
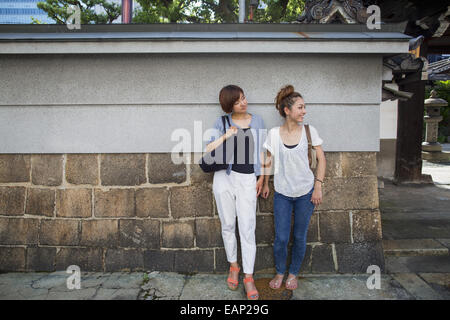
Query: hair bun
x: 286, y: 98
x: 286, y: 90
x: 283, y: 93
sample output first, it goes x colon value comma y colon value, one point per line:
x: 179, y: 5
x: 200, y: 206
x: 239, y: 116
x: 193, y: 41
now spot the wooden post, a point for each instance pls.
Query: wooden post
x: 408, y: 162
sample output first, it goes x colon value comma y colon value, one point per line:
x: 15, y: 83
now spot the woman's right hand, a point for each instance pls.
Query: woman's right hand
x: 265, y: 191
x: 230, y: 132
x: 213, y: 145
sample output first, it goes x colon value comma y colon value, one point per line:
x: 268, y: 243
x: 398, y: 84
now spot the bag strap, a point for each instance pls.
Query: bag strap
x: 308, y: 135
x: 223, y: 121
x: 225, y: 131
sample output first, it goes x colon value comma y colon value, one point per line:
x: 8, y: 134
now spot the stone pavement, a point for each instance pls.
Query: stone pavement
x: 416, y: 232
x: 174, y: 286
x: 416, y: 242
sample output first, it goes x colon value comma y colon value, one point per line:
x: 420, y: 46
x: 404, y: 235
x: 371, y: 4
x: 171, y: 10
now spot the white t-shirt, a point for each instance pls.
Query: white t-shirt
x: 292, y: 175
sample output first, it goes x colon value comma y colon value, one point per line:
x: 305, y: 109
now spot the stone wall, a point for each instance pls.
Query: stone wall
x: 139, y: 211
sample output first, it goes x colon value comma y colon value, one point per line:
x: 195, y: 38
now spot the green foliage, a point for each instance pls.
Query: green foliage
x: 443, y: 91
x: 175, y: 11
x: 278, y: 11
x: 145, y: 278
x: 36, y: 21
x: 57, y: 10
x: 160, y: 11
x: 214, y: 11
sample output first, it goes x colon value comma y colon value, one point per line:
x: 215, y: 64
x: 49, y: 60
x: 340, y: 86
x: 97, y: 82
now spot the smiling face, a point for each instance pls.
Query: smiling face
x: 297, y: 111
x: 240, y: 105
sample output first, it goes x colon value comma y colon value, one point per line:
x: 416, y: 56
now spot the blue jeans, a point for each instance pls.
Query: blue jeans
x: 303, y: 209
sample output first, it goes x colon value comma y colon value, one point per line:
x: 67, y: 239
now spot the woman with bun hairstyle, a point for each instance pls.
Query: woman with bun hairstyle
x: 236, y: 189
x: 296, y: 187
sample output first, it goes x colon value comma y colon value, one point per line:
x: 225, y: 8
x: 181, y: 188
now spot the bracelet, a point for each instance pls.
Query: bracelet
x: 318, y: 180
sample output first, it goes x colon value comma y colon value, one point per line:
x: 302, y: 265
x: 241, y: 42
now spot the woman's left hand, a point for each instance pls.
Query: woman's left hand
x: 259, y: 185
x: 316, y: 197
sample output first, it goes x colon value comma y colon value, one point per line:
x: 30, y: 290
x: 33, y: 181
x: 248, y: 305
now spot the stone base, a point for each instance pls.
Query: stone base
x: 135, y: 212
x: 431, y: 147
x: 443, y: 156
x: 424, y: 179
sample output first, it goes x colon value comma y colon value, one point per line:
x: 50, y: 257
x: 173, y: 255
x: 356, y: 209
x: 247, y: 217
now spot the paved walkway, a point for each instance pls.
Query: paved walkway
x: 440, y: 172
x: 174, y: 286
x: 416, y: 231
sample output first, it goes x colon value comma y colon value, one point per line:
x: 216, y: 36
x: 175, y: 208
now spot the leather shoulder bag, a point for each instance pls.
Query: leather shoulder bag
x: 209, y: 163
x: 312, y: 153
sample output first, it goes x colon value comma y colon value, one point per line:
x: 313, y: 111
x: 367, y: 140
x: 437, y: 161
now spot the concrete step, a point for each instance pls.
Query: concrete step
x: 414, y: 225
x: 419, y: 288
x: 414, y: 247
x: 417, y: 264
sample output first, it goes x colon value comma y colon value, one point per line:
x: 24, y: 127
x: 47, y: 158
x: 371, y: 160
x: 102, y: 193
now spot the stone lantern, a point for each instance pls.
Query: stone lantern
x: 432, y: 149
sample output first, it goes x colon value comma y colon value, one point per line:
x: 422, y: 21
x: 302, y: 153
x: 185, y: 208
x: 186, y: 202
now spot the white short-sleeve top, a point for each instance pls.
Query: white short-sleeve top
x: 292, y: 175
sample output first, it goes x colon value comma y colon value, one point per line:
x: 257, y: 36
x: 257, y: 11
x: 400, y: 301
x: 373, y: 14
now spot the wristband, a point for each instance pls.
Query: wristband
x: 318, y: 180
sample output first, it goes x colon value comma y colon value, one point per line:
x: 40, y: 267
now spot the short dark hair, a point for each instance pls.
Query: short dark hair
x: 228, y: 96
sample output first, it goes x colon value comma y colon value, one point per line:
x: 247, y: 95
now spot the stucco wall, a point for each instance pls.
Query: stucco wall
x: 388, y: 138
x: 132, y: 103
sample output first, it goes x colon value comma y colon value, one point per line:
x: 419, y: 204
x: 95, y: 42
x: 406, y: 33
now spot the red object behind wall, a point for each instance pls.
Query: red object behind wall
x: 127, y: 11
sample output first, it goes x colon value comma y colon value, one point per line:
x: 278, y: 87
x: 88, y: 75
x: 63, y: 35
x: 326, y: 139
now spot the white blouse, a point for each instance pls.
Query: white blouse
x: 292, y: 175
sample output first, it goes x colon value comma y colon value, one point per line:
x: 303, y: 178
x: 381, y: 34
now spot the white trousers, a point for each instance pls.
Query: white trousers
x: 235, y: 196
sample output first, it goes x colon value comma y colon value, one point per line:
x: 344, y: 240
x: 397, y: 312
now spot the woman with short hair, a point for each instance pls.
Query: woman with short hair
x: 236, y: 189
